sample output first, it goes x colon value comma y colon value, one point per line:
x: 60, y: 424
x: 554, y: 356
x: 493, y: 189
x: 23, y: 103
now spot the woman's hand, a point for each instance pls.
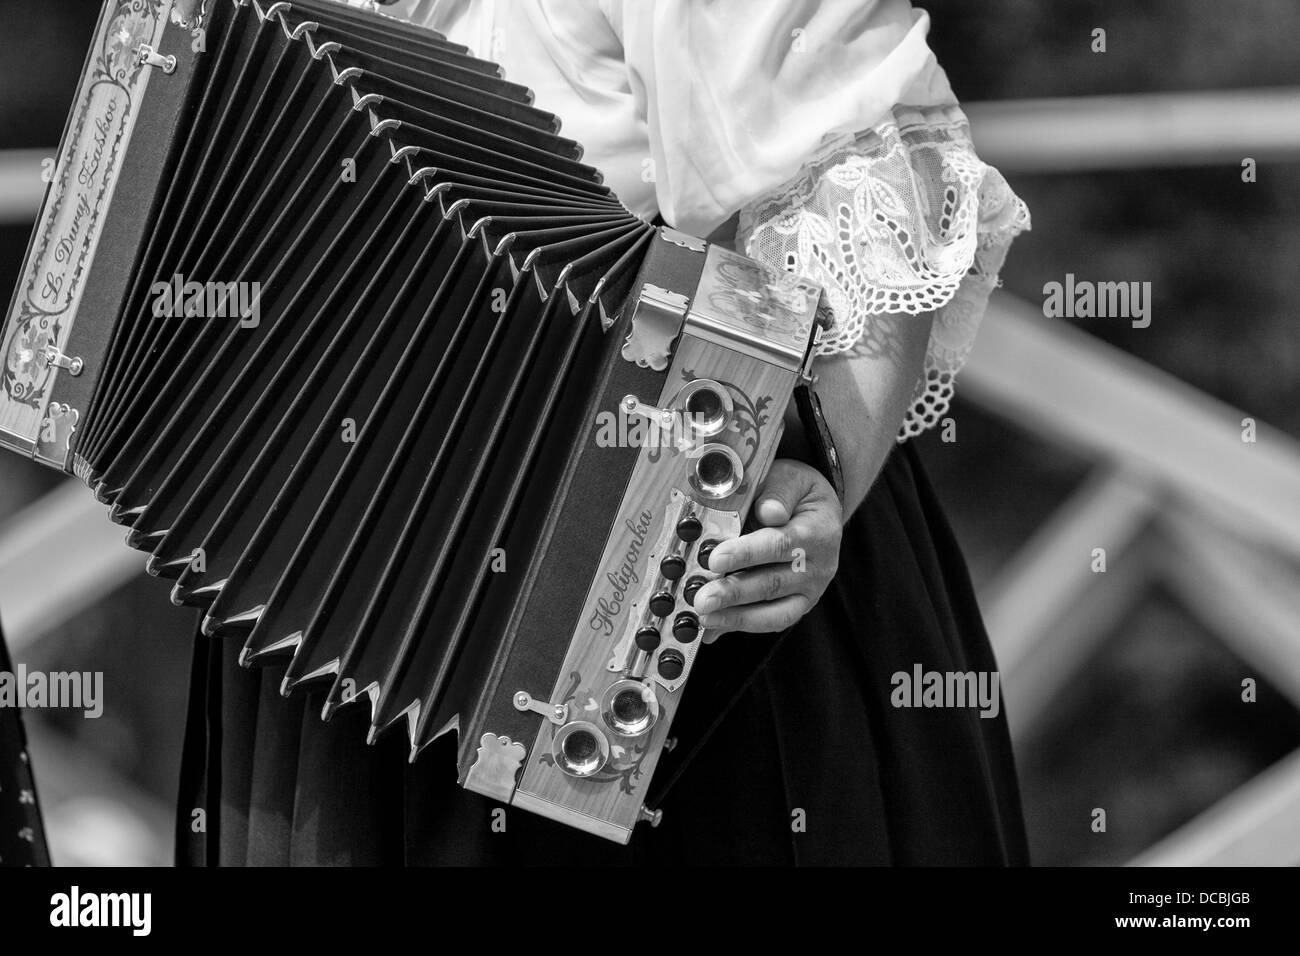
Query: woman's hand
x: 775, y: 574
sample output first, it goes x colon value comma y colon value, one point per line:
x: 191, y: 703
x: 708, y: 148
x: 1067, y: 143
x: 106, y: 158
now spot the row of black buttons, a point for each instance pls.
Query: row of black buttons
x: 686, y: 625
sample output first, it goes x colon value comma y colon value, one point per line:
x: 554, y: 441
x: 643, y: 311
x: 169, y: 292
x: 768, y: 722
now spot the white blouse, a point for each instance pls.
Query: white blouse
x: 826, y: 124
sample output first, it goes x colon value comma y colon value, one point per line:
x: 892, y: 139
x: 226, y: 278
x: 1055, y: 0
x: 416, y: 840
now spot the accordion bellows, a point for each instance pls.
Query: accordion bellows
x: 358, y: 306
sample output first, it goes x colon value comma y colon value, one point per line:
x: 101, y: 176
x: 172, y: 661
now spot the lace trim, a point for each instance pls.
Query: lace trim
x: 903, y: 217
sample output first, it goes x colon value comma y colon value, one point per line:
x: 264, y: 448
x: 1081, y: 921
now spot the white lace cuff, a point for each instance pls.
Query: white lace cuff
x: 903, y: 217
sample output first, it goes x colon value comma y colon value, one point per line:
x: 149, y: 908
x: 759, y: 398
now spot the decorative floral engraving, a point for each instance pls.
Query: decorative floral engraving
x: 70, y: 222
x: 134, y: 24
x: 772, y: 303
x: 27, y: 367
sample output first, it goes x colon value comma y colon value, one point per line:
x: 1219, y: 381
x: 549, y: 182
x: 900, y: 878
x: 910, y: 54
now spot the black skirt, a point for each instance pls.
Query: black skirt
x: 22, y: 838
x: 812, y: 764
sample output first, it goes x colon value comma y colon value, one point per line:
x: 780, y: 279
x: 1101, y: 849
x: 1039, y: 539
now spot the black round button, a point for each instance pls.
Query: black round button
x: 689, y: 528
x: 692, y: 588
x: 706, y: 549
x: 647, y: 638
x: 671, y: 664
x: 686, y: 627
x: 672, y: 567
x: 661, y: 605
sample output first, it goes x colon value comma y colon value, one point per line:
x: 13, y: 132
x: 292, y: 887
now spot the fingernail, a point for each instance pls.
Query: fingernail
x: 708, y: 603
x: 708, y: 620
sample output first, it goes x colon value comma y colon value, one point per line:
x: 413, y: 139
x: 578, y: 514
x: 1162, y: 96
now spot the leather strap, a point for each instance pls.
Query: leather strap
x: 818, y: 435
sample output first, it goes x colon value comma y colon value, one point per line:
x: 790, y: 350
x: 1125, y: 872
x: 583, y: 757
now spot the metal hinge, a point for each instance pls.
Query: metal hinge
x: 685, y: 240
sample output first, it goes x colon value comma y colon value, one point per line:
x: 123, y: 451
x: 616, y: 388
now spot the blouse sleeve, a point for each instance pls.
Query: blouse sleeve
x: 832, y: 130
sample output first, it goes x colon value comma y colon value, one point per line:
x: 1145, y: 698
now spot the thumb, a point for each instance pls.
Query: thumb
x: 784, y: 487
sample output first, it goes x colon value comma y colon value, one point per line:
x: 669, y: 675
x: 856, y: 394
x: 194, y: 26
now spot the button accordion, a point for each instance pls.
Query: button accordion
x: 387, y: 382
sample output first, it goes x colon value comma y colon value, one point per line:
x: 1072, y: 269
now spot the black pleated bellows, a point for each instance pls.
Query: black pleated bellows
x: 421, y: 269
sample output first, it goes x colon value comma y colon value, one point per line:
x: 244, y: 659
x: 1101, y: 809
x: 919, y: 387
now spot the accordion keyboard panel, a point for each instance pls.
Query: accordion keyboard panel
x: 637, y: 635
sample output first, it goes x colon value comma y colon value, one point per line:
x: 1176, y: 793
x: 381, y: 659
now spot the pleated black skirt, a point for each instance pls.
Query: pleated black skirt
x: 812, y: 764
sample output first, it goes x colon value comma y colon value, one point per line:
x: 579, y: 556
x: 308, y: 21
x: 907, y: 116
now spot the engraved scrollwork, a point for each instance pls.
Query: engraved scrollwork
x: 27, y: 366
x: 625, y: 762
x: 771, y: 302
x: 132, y: 26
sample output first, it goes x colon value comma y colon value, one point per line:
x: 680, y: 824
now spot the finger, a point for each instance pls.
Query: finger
x: 771, y: 512
x: 787, y: 483
x: 749, y: 587
x: 757, y: 548
x: 761, y: 618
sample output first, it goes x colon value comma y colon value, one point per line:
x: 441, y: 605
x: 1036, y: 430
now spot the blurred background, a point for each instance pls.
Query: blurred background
x: 1124, y: 688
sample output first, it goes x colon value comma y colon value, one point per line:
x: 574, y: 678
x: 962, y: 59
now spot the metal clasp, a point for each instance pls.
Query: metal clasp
x: 57, y: 359
x: 555, y: 713
x: 824, y: 319
x: 656, y: 321
x: 663, y: 417
x: 150, y: 57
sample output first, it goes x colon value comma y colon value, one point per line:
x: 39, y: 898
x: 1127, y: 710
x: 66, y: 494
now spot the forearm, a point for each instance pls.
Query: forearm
x: 864, y: 395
